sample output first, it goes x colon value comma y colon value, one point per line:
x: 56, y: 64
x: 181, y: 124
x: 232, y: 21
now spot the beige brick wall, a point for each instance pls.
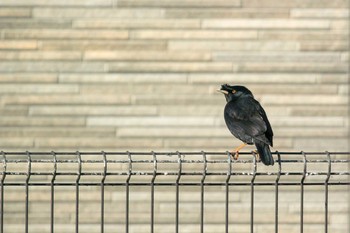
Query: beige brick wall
x: 141, y: 75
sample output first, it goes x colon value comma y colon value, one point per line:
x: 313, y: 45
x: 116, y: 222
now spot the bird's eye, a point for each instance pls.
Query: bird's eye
x: 234, y: 91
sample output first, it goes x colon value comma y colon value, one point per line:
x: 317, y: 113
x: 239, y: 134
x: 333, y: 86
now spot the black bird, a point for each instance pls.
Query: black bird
x: 247, y: 121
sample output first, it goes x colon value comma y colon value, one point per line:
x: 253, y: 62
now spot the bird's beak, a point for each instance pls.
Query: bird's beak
x: 222, y: 91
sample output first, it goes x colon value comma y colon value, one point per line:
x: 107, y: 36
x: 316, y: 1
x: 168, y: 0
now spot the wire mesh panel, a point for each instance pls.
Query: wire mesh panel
x: 173, y: 192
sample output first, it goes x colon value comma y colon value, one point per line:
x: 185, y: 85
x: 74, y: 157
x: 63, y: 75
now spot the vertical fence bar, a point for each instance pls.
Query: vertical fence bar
x: 178, y: 192
x: 52, y: 210
x: 227, y: 190
x: 252, y: 194
x: 127, y: 192
x: 103, y: 191
x: 326, y: 192
x: 276, y: 190
x: 302, y: 193
x: 77, y: 192
x: 4, y: 164
x: 29, y: 169
x: 205, y: 168
x: 152, y: 189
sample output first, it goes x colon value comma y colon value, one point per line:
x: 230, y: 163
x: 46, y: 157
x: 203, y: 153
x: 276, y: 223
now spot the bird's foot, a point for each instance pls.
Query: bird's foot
x: 256, y: 154
x: 234, y: 154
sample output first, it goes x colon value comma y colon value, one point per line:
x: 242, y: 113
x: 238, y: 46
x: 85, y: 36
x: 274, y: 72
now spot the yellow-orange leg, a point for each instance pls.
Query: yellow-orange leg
x: 235, y: 152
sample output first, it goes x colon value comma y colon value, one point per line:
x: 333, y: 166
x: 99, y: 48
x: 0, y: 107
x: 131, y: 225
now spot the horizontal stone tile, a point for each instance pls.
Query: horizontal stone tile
x: 293, y: 228
x: 179, y: 89
x: 168, y: 67
x: 192, y: 34
x: 55, y: 3
x: 38, y: 88
x: 34, y: 23
x: 177, y: 99
x: 44, y: 12
x: 173, y: 132
x: 51, y: 66
x: 335, y: 207
x: 338, y: 218
x: 319, y: 13
x: 93, y: 110
x: 319, y: 110
x: 64, y: 34
x: 261, y: 218
x: 302, y: 35
x: 233, y: 45
x: 227, y: 13
x: 190, y: 110
x: 15, y: 12
x: 40, y: 197
x: 292, y: 67
x: 16, y: 142
x: 20, y: 44
x: 339, y: 132
x: 293, y: 196
x: 306, y: 121
x: 40, y: 55
x: 179, y: 3
x: 252, y: 78
x: 146, y: 56
x: 64, y: 99
x: 42, y: 121
x: 150, y: 121
x: 320, y: 144
x: 343, y: 89
x: 81, y: 143
x: 339, y: 25
x: 101, y: 45
x: 138, y: 78
x: 324, y: 46
x: 304, y: 100
x: 333, y: 78
x: 13, y: 111
x: 345, y: 57
x: 228, y: 143
x: 260, y: 90
x: 294, y: 3
x: 28, y: 78
x: 199, y: 143
x: 272, y: 56
x: 48, y: 132
x: 144, y: 89
x: 266, y: 23
x: 136, y: 23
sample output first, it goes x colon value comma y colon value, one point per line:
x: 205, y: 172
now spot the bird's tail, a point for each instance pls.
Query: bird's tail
x: 264, y: 153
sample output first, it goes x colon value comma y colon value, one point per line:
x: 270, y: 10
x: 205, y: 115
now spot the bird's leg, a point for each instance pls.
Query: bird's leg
x: 235, y: 152
x: 256, y: 154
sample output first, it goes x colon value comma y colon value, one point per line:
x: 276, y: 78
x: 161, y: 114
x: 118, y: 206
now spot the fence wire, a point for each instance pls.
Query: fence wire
x: 177, y: 169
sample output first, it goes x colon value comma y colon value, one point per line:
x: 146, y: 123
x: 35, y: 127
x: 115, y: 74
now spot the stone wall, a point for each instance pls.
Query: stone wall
x: 141, y: 75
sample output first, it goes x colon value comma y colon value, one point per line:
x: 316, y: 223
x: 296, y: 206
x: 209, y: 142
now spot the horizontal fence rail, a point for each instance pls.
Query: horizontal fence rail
x: 148, y: 163
x: 170, y: 169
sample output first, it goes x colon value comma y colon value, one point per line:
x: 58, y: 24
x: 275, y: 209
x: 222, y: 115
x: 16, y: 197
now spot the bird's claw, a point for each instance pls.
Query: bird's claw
x: 235, y: 154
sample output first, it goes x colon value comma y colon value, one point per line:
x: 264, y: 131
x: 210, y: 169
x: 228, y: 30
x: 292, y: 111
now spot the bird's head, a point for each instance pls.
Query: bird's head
x: 234, y: 92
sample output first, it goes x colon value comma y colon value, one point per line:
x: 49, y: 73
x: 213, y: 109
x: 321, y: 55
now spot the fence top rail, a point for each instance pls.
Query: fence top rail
x: 119, y: 168
x: 175, y: 153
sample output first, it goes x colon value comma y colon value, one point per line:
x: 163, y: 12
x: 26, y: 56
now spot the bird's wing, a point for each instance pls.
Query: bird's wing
x: 269, y: 132
x: 244, y: 120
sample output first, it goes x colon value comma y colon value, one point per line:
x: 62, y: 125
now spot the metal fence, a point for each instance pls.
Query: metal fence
x: 176, y: 169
